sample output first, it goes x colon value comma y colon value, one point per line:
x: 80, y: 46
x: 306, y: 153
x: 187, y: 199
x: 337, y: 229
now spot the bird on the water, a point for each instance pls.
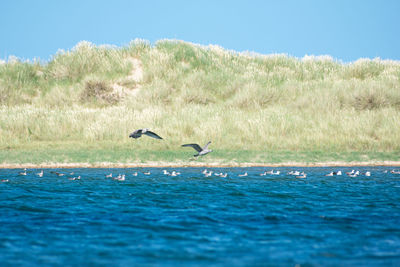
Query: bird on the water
x: 201, y: 151
x: 138, y: 133
x: 302, y: 176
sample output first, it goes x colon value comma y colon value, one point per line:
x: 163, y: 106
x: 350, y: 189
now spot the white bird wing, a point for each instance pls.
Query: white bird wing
x: 195, y: 146
x: 206, y: 146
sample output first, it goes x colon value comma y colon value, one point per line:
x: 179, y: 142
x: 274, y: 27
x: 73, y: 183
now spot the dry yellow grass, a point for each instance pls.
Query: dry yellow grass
x: 192, y: 93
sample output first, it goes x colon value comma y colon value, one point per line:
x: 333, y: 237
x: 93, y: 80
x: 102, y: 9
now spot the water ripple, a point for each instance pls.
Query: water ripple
x: 193, y: 220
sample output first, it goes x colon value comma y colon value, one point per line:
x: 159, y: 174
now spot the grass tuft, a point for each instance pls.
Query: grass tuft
x: 99, y: 92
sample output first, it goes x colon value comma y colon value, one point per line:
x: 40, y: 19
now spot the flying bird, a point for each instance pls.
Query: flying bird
x: 201, y: 151
x: 138, y: 133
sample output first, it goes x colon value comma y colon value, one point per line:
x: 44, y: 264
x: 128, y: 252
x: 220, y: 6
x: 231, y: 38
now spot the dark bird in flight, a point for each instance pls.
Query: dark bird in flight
x: 201, y: 151
x: 138, y: 133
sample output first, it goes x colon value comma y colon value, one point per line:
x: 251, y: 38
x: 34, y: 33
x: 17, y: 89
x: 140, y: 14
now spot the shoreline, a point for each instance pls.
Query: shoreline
x: 194, y: 164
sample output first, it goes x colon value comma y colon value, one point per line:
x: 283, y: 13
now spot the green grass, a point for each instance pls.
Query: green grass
x: 94, y: 155
x: 82, y: 104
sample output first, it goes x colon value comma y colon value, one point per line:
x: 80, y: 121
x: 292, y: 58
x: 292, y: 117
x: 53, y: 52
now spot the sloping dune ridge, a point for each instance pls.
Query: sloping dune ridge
x: 80, y: 106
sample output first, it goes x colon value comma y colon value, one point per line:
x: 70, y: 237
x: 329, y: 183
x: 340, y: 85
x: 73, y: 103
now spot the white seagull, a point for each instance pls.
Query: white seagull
x: 120, y: 177
x: 138, y: 133
x: 174, y: 173
x: 208, y: 174
x: 201, y: 151
x: 302, y: 176
x: 23, y: 173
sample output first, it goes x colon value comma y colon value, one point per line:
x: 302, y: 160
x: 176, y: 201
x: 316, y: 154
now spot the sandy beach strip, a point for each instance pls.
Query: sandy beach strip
x: 52, y: 165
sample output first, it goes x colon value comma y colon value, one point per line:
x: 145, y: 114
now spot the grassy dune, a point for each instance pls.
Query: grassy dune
x: 82, y: 104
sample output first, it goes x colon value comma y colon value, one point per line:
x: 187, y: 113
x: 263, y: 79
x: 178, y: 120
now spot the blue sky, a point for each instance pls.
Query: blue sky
x: 344, y: 29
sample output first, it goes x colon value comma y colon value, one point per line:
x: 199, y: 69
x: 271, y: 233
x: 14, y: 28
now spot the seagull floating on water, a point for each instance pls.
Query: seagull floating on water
x: 353, y: 173
x: 271, y: 172
x: 138, y: 133
x: 23, y: 173
x: 174, y: 173
x: 201, y: 151
x: 120, y: 177
x: 207, y: 174
x: 58, y: 173
x: 302, y: 176
x: 75, y: 178
x: 40, y: 174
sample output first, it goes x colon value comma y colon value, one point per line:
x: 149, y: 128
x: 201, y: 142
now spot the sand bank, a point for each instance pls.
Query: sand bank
x: 194, y: 164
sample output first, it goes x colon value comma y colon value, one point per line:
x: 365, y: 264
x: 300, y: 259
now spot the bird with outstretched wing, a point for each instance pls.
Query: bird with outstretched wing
x: 201, y: 151
x: 138, y: 133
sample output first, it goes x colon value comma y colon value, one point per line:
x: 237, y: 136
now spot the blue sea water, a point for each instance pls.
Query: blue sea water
x: 192, y: 220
